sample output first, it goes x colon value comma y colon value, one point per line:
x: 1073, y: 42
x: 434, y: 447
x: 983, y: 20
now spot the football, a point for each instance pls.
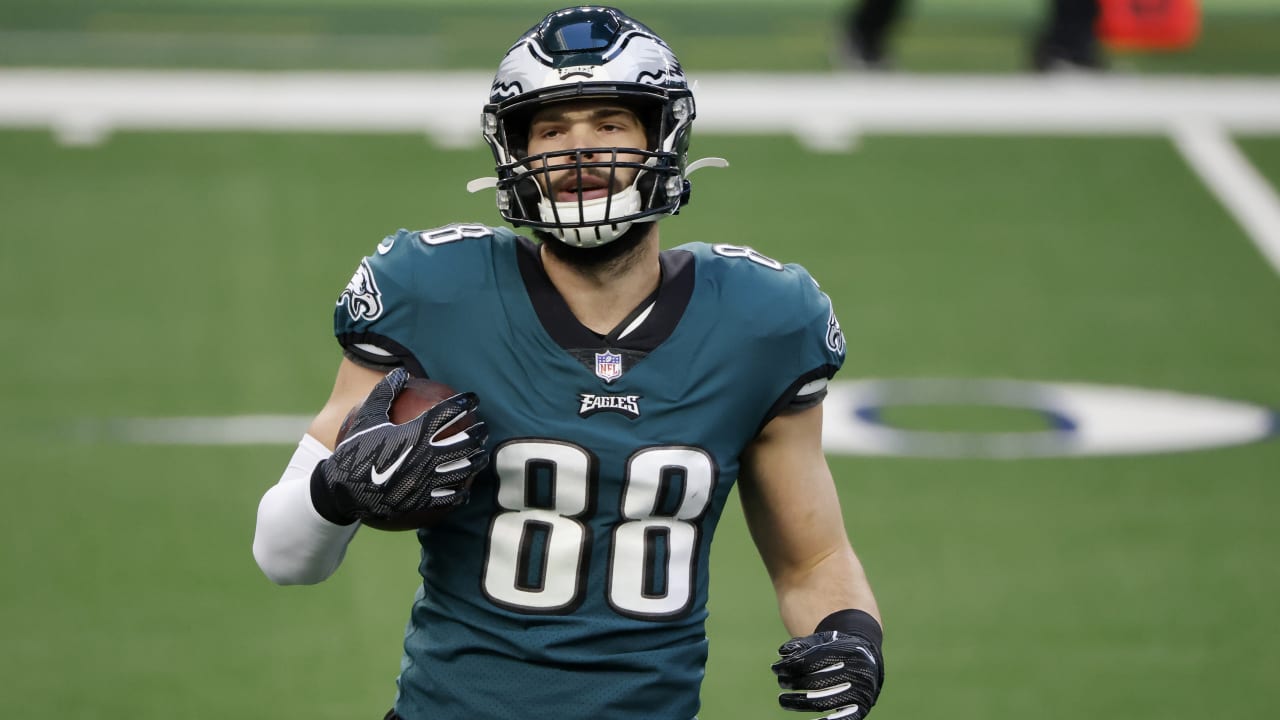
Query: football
x: 418, y: 396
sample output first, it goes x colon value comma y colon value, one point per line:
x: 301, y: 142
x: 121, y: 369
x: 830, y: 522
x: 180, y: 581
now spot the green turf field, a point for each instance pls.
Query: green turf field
x: 178, y: 274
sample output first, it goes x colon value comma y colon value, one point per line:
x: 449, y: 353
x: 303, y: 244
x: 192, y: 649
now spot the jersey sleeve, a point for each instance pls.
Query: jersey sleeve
x: 372, y: 314
x: 819, y: 342
x: 786, y: 340
x: 388, y: 306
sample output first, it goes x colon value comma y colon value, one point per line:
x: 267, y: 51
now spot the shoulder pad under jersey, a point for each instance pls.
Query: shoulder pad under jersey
x: 779, y: 301
x: 408, y: 274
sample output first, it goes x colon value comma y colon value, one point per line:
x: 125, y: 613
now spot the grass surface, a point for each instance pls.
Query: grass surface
x: 183, y: 274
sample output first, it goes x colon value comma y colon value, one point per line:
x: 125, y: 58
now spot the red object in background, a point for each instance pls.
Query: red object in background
x: 1148, y: 24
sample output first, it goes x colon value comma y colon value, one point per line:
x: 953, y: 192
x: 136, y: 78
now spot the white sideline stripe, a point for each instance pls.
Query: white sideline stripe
x: 828, y: 110
x: 232, y: 430
x: 1237, y: 184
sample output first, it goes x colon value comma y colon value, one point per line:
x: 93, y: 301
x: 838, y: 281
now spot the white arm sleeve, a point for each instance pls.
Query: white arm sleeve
x: 292, y: 543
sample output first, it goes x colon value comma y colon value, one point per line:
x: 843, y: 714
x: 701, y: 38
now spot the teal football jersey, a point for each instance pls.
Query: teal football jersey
x: 573, y: 584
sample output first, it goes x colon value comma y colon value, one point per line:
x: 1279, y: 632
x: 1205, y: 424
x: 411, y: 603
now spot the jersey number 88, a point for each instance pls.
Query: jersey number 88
x: 539, y: 544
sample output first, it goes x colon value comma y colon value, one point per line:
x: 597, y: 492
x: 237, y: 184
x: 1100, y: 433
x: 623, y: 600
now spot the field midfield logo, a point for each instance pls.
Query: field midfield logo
x: 1079, y: 419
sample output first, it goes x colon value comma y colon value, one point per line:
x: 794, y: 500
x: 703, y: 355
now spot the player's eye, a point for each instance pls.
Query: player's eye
x: 547, y: 132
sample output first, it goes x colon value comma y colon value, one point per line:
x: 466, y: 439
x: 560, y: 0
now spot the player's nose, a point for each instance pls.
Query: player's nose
x: 581, y: 137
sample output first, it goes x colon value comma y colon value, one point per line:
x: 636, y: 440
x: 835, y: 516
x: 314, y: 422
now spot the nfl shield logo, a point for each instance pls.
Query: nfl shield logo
x: 608, y: 366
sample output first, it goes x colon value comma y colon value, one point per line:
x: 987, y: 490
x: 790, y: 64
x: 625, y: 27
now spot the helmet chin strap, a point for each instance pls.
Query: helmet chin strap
x: 591, y: 214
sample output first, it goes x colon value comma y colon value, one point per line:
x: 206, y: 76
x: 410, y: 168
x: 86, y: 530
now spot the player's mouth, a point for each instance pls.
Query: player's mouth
x: 591, y: 188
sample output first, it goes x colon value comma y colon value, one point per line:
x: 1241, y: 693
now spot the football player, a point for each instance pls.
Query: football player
x: 625, y: 390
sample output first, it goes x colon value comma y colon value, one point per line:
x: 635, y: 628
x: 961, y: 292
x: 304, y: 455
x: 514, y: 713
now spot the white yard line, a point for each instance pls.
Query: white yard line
x: 232, y: 430
x: 1237, y: 184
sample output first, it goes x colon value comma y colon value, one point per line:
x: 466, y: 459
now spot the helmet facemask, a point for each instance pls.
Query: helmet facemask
x: 529, y: 184
x: 589, y: 54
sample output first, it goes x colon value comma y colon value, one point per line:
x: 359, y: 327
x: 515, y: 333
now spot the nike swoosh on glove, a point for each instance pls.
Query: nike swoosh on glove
x: 382, y: 470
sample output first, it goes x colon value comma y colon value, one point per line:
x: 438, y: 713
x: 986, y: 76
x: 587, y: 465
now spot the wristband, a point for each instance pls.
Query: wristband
x: 853, y: 622
x: 323, y: 501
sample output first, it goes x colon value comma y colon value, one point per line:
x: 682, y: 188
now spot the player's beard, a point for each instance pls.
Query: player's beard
x: 611, y: 257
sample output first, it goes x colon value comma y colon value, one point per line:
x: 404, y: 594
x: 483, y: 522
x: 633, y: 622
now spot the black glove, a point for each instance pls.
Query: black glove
x: 838, y: 669
x: 382, y: 470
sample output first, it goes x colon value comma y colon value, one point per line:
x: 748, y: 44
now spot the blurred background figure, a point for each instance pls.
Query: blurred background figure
x: 1077, y: 31
x: 1069, y: 35
x: 1068, y: 40
x: 864, y: 45
x: 1148, y: 25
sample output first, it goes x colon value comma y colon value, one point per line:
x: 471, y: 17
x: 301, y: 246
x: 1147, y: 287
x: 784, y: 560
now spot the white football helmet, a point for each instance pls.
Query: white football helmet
x: 585, y: 53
